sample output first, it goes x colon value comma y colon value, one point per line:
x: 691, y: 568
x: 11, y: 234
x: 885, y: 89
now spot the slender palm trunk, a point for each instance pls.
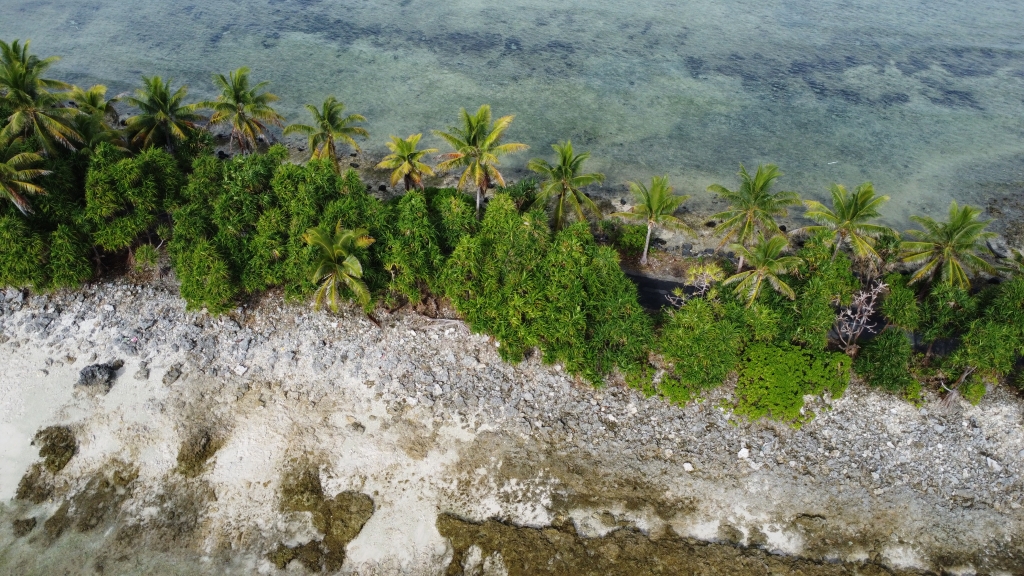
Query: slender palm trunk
x: 839, y: 244
x: 739, y: 268
x: 647, y: 243
x: 408, y: 182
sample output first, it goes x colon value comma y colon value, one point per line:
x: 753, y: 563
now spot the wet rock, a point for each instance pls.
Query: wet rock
x: 57, y: 446
x: 195, y: 451
x: 98, y: 378
x: 172, y: 375
x: 999, y: 247
x: 36, y: 485
x: 22, y: 526
x: 340, y: 519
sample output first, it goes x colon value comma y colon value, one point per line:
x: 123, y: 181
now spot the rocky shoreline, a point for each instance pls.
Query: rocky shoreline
x: 423, y: 418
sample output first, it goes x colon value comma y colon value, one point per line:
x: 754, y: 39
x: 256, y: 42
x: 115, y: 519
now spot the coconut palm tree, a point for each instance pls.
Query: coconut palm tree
x: 337, y: 264
x: 477, y: 149
x: 563, y: 183
x: 766, y: 265
x: 849, y: 218
x: 16, y: 174
x: 753, y: 208
x: 94, y: 102
x: 37, y: 109
x: 947, y: 251
x: 246, y: 107
x: 656, y: 206
x: 329, y: 125
x: 404, y: 161
x: 164, y: 119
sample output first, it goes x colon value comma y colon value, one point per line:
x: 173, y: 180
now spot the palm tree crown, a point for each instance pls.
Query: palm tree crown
x: 766, y: 264
x: 849, y: 218
x: 16, y: 175
x: 337, y: 264
x: 477, y: 149
x: 36, y: 109
x: 656, y: 206
x: 754, y: 206
x: 404, y: 161
x: 163, y: 117
x: 948, y: 250
x: 329, y: 125
x: 94, y: 102
x: 246, y: 107
x: 563, y: 184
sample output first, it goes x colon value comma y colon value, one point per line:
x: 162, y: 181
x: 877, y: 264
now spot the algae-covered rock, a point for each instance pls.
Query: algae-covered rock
x: 340, y: 519
x: 103, y: 496
x: 22, y: 526
x: 558, y: 550
x: 36, y: 485
x: 56, y: 445
x: 195, y: 451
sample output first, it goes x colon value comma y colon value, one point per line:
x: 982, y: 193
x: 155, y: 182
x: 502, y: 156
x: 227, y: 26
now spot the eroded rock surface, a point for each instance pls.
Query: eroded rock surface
x: 278, y: 439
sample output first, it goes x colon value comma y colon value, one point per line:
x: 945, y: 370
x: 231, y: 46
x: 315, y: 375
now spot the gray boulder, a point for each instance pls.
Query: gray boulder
x: 999, y: 247
x: 98, y: 378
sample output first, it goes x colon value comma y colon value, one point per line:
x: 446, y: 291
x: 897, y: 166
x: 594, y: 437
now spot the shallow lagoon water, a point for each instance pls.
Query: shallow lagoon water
x: 924, y: 99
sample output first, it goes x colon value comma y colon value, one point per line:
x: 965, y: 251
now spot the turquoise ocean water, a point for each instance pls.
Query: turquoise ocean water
x: 924, y: 98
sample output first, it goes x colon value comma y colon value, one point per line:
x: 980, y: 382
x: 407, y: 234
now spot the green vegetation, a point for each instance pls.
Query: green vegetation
x: 947, y: 251
x: 80, y: 196
x: 328, y: 127
x: 766, y: 265
x: 563, y: 184
x: 656, y: 206
x: 775, y: 378
x: 477, y: 147
x: 405, y: 161
x: 16, y: 174
x: 247, y: 108
x: 337, y: 264
x: 753, y: 208
x: 163, y: 117
x: 849, y: 218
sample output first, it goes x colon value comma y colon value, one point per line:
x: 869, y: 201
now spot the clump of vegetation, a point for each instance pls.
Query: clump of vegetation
x: 80, y: 195
x: 702, y: 346
x: 885, y: 362
x: 775, y: 378
x: 340, y: 519
x: 566, y: 296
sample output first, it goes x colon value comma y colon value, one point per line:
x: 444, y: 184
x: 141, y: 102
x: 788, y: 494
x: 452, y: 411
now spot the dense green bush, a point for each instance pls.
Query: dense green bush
x: 701, y: 346
x: 206, y: 280
x: 412, y: 254
x: 885, y: 362
x: 774, y: 378
x: 494, y: 279
x: 629, y: 239
x: 23, y: 257
x: 947, y: 312
x: 566, y: 296
x: 900, y: 306
x: 591, y: 320
x: 69, y: 264
x: 124, y: 194
x: 454, y: 216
